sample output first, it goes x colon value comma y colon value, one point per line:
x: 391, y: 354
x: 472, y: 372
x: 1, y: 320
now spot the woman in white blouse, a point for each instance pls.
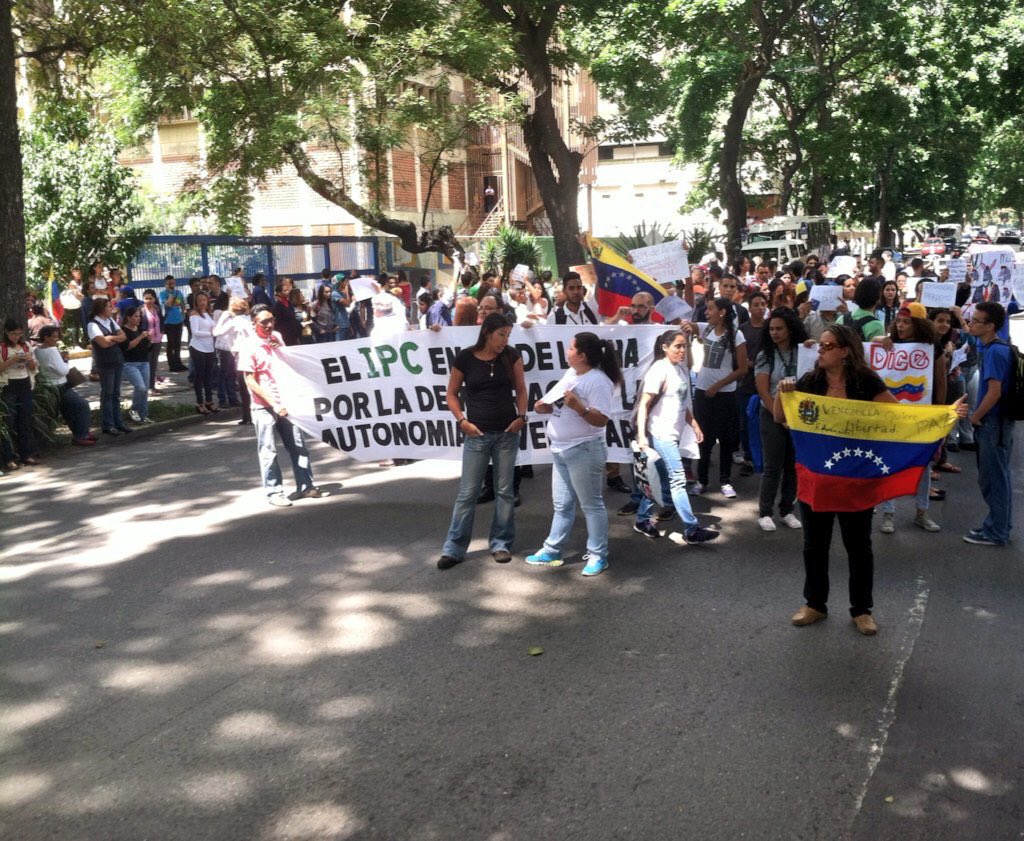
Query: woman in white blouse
x: 53, y: 371
x: 202, y: 350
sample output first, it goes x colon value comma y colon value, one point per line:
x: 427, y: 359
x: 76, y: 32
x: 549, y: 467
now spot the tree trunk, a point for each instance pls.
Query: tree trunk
x: 730, y: 185
x: 12, y: 207
x: 884, y: 225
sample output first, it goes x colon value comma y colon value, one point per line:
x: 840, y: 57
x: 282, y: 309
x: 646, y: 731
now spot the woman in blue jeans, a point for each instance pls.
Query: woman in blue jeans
x: 490, y: 375
x: 580, y: 406
x: 665, y: 423
x: 136, y: 363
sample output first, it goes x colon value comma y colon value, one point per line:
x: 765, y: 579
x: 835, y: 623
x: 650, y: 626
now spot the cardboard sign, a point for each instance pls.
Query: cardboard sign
x: 957, y: 269
x: 938, y: 295
x: 828, y: 297
x: 665, y: 262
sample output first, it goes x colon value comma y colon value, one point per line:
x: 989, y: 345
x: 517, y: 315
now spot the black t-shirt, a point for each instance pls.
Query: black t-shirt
x: 755, y: 337
x: 139, y: 353
x: 857, y: 388
x: 488, y: 388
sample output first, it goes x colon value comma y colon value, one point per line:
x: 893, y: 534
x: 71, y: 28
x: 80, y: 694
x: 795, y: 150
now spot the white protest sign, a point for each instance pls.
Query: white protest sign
x: 672, y: 307
x: 938, y: 295
x: 236, y: 287
x: 828, y: 297
x: 472, y: 259
x: 959, y: 357
x: 665, y: 262
x: 520, y: 272
x: 907, y: 370
x: 387, y: 399
x: 957, y: 269
x: 842, y: 265
x: 1018, y: 282
x: 363, y: 288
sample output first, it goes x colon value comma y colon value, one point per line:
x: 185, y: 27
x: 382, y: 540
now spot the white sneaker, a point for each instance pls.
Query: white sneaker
x: 134, y: 416
x: 791, y: 521
x: 279, y: 500
x: 728, y: 492
x: 738, y: 458
x: 888, y: 526
x: 696, y: 489
x: 766, y: 523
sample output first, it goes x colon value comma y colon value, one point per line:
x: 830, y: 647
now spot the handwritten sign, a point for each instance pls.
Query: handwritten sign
x: 672, y: 307
x: 828, y: 297
x: 957, y: 269
x: 1018, y: 282
x: 938, y: 294
x: 843, y: 264
x: 665, y: 262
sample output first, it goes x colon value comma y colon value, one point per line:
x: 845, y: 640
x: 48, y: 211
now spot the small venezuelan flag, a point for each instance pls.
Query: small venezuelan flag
x: 618, y: 280
x: 854, y: 454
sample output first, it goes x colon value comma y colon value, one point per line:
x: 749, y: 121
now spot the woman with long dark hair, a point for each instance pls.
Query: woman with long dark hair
x: 17, y: 371
x: 202, y: 349
x: 490, y: 377
x: 665, y: 423
x: 325, y: 326
x: 576, y: 434
x: 778, y: 361
x: 107, y: 338
x: 912, y: 325
x: 714, y: 402
x: 840, y: 371
x: 888, y: 304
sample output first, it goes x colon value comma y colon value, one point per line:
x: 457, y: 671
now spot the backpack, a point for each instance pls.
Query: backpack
x: 1011, y: 404
x: 858, y: 324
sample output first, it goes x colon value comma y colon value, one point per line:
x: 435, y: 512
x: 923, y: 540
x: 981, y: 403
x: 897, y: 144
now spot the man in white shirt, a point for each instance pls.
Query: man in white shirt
x: 575, y: 310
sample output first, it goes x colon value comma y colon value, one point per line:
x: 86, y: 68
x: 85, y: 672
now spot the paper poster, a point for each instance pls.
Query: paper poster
x: 672, y: 307
x: 236, y: 287
x: 843, y: 264
x: 521, y: 273
x: 665, y: 262
x: 1018, y: 282
x: 993, y: 269
x: 957, y: 269
x: 363, y: 288
x: 938, y: 295
x: 958, y: 358
x: 828, y: 297
x: 805, y: 359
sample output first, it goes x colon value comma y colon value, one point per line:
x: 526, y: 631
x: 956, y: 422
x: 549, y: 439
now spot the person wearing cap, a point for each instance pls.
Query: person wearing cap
x: 912, y: 325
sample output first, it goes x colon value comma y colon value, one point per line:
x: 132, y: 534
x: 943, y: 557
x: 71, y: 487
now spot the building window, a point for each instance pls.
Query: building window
x: 605, y: 153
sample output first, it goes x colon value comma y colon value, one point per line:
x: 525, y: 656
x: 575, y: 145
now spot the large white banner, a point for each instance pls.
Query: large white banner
x: 387, y: 400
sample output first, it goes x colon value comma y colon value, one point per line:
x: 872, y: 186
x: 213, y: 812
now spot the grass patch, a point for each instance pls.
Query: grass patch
x: 159, y: 410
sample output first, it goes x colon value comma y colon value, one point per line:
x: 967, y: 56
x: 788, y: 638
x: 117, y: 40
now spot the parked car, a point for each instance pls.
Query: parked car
x: 981, y: 239
x: 1012, y: 241
x: 933, y: 245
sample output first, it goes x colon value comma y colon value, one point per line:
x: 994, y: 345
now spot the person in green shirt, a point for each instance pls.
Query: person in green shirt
x: 862, y: 318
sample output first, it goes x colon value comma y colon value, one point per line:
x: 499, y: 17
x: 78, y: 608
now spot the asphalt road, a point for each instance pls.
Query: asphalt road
x: 181, y: 661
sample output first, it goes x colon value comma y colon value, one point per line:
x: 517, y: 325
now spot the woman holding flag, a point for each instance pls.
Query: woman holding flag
x: 841, y: 371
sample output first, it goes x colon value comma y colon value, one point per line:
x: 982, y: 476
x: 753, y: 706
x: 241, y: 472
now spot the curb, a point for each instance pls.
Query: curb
x: 150, y: 429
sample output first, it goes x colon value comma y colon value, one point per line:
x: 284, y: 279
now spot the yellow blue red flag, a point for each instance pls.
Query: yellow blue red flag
x: 854, y: 454
x: 617, y: 279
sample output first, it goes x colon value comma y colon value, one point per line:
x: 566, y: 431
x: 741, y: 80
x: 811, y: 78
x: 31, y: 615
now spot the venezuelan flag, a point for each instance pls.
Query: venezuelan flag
x: 618, y: 280
x: 854, y: 454
x: 909, y: 389
x: 52, y: 298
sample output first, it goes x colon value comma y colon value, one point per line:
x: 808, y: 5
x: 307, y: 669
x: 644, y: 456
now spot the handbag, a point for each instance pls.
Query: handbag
x: 75, y: 377
x: 646, y: 476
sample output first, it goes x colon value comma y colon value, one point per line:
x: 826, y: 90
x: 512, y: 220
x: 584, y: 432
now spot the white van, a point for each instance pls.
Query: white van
x: 782, y: 251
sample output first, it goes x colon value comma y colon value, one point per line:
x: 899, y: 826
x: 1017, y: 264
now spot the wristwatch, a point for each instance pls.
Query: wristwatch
x: 522, y: 418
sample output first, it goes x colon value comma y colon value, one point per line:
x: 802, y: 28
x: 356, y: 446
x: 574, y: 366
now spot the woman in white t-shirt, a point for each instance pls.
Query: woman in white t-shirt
x: 202, y: 350
x: 580, y: 409
x: 665, y: 423
x: 714, y: 404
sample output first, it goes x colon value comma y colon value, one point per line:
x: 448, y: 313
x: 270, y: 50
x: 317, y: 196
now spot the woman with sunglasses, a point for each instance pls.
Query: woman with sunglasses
x: 841, y: 371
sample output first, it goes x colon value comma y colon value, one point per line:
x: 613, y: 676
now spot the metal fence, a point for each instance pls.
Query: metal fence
x: 300, y: 258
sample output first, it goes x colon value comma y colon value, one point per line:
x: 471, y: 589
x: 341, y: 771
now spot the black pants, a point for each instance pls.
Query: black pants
x: 779, y: 467
x: 717, y: 418
x: 154, y: 360
x: 855, y: 527
x: 206, y: 367
x: 172, y: 333
x: 243, y: 392
x: 17, y: 406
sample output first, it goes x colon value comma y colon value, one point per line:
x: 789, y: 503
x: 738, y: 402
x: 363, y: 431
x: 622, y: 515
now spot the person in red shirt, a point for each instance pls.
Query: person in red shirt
x: 269, y: 414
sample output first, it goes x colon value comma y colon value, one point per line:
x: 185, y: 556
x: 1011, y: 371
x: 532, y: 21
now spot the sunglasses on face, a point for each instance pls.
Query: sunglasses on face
x: 825, y: 347
x: 266, y: 321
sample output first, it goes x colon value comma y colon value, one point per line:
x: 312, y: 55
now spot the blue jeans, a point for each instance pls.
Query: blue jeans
x: 266, y: 422
x: 924, y: 487
x: 995, y: 447
x: 227, y: 378
x: 673, y: 477
x: 477, y: 452
x: 577, y: 475
x: 75, y: 410
x: 110, y: 397
x: 137, y: 373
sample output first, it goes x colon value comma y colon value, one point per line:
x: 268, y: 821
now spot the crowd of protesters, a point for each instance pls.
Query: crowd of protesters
x: 715, y: 381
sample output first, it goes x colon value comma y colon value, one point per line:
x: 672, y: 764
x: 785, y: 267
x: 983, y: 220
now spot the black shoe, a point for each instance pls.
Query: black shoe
x: 447, y: 562
x: 616, y: 484
x: 746, y: 469
x: 244, y: 422
x: 113, y: 432
x: 664, y: 515
x: 953, y: 448
x: 696, y: 534
x: 646, y: 529
x: 124, y: 430
x: 969, y: 448
x: 518, y: 502
x: 628, y: 510
x: 526, y: 471
x: 486, y: 496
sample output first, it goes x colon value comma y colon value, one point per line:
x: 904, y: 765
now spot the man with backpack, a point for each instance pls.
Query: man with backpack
x: 992, y: 419
x: 863, y: 319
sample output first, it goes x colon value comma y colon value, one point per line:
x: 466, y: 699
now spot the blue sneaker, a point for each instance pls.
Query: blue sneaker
x: 595, y: 565
x: 544, y: 559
